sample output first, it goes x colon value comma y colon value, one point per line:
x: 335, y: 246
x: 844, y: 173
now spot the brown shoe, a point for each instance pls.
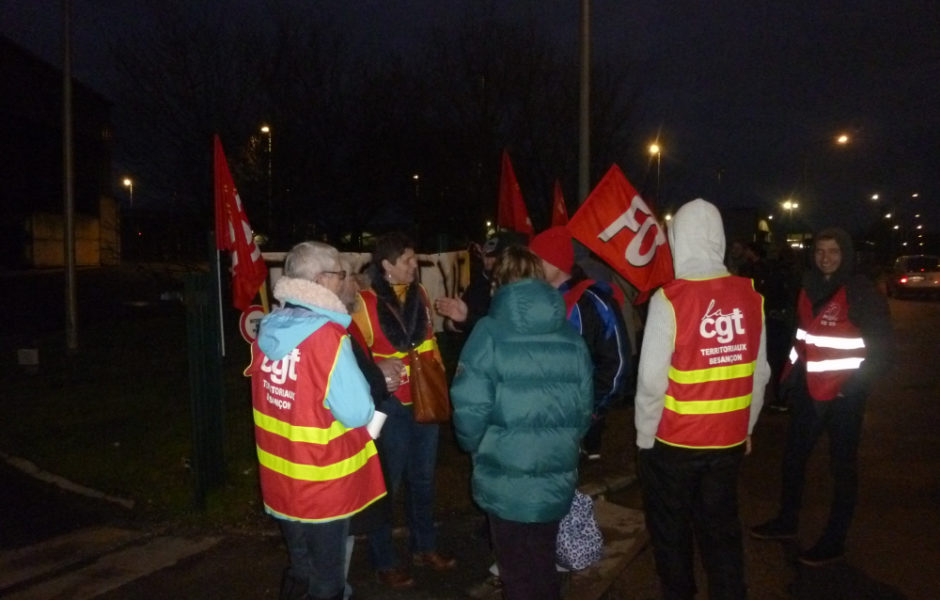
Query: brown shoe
x: 435, y: 560
x: 397, y: 579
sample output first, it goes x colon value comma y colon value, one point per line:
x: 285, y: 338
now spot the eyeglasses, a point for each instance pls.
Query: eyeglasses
x: 340, y: 274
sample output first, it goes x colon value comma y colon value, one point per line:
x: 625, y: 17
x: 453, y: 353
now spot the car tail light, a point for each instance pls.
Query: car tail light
x: 902, y: 280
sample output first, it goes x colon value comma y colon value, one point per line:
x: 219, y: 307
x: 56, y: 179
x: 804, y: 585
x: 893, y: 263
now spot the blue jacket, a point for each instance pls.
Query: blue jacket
x: 307, y: 308
x: 523, y: 396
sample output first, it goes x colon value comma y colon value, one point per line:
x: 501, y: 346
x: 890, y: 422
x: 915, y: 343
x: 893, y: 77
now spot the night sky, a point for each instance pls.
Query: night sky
x: 746, y: 96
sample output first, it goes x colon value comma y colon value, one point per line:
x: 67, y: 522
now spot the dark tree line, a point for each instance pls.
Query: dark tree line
x: 349, y: 130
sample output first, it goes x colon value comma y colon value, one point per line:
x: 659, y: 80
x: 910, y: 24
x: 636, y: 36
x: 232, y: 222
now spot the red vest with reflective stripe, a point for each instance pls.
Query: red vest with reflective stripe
x: 312, y: 468
x: 718, y: 328
x: 829, y: 345
x: 382, y: 348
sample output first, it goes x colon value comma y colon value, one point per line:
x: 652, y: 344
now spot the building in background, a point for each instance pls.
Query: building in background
x: 31, y: 167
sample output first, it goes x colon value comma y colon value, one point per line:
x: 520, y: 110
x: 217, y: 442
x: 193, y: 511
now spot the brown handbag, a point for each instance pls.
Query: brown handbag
x: 430, y: 397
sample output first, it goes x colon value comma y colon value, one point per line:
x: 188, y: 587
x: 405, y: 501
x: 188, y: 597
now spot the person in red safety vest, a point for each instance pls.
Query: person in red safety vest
x: 395, y: 316
x: 700, y: 388
x: 318, y: 464
x: 842, y: 344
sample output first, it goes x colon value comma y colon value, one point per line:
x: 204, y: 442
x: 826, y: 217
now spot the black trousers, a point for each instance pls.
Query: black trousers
x: 525, y: 553
x: 841, y: 420
x: 693, y: 495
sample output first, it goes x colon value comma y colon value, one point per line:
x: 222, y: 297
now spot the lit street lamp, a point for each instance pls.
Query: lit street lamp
x: 265, y: 129
x: 129, y: 184
x: 656, y: 151
x: 790, y: 206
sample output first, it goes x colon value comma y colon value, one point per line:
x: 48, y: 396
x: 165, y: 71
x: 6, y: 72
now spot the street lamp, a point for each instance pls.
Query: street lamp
x: 129, y: 184
x: 656, y: 151
x: 266, y: 130
x: 842, y: 139
x: 790, y: 206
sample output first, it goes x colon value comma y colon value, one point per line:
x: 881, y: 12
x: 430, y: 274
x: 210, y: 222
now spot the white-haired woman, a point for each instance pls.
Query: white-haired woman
x: 317, y: 463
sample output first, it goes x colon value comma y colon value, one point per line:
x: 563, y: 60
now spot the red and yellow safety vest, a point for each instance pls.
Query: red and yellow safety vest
x: 831, y: 346
x: 312, y: 467
x: 718, y: 332
x: 382, y: 348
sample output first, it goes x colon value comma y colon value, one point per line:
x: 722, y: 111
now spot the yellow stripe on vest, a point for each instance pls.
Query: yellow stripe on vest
x: 294, y: 433
x: 712, y: 373
x: 707, y: 407
x: 425, y: 346
x: 337, y: 470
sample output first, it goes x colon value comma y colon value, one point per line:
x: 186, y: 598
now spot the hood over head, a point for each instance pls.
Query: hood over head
x: 697, y: 239
x: 529, y: 306
x: 818, y: 288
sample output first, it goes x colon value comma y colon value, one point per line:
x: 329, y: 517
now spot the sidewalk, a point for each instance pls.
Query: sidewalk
x: 110, y: 563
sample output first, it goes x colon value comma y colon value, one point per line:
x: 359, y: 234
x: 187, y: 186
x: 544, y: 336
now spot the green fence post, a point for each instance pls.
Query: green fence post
x: 205, y: 384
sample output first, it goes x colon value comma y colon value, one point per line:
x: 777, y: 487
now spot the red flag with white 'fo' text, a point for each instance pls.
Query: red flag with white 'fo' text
x: 559, y: 210
x: 512, y: 213
x: 616, y: 224
x: 233, y: 233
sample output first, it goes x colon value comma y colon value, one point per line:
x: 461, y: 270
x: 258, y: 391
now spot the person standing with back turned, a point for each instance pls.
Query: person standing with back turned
x: 703, y: 369
x: 317, y: 463
x: 842, y: 343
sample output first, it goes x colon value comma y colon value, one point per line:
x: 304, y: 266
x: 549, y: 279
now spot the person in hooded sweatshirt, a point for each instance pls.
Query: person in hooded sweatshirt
x: 702, y: 374
x: 317, y: 463
x: 523, y: 398
x: 842, y: 345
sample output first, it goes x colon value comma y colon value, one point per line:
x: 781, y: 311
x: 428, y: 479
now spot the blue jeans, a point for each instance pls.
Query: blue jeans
x: 409, y: 452
x: 317, y: 555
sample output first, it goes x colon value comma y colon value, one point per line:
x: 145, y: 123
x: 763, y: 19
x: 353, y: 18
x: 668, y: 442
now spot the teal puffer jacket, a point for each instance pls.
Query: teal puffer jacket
x: 523, y: 396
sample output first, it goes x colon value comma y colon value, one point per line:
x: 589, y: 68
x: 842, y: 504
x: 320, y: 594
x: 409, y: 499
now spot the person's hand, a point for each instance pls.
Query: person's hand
x: 392, y: 369
x: 454, y: 309
x: 747, y: 446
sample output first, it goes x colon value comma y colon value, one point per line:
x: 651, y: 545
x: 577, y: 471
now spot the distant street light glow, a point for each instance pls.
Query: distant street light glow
x: 843, y: 139
x: 874, y: 196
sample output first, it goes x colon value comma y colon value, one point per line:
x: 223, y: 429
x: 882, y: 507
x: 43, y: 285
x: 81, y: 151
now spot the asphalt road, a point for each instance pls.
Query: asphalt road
x: 894, y: 545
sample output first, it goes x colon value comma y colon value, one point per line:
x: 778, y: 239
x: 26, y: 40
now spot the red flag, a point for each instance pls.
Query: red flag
x: 233, y: 233
x: 512, y: 212
x: 559, y: 210
x: 617, y: 225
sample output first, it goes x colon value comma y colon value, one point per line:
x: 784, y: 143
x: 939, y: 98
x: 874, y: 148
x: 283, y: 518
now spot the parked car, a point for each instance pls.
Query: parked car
x: 915, y: 274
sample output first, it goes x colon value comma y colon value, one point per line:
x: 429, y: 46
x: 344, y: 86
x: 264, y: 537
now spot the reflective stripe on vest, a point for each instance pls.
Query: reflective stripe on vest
x: 382, y: 347
x: 711, y: 378
x: 828, y: 343
x: 312, y: 467
x: 304, y: 472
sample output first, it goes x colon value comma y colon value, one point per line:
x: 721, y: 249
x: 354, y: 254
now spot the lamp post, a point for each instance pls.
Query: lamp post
x: 790, y: 206
x: 656, y: 152
x: 129, y: 184
x: 266, y: 130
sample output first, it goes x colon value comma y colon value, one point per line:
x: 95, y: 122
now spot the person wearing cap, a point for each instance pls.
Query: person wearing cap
x: 703, y: 370
x: 474, y: 304
x: 592, y: 310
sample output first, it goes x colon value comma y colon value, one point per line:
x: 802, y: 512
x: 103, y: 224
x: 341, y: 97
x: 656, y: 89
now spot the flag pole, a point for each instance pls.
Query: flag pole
x: 264, y: 296
x: 218, y: 288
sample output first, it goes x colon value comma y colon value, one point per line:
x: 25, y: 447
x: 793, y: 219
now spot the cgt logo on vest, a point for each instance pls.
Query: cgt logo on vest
x: 281, y: 369
x: 715, y: 323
